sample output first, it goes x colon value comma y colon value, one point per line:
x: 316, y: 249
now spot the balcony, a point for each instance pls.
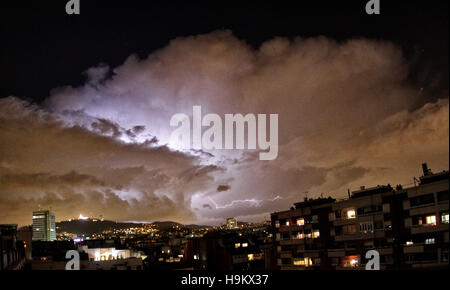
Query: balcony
x: 360, y: 236
x: 421, y: 229
x: 425, y: 209
x: 414, y: 249
x: 288, y: 242
x: 286, y: 254
x: 336, y: 253
x: 360, y: 267
x: 427, y: 264
x: 375, y: 216
x: 385, y: 251
x: 284, y: 228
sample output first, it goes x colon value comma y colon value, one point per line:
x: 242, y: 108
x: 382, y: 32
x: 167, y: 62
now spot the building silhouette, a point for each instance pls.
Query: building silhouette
x: 12, y: 251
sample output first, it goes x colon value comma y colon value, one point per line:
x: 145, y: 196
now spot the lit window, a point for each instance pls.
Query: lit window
x: 409, y: 243
x: 244, y: 245
x: 237, y: 245
x: 300, y: 236
x: 431, y: 220
x: 350, y: 261
x: 299, y: 262
x: 444, y: 218
x: 351, y: 214
x: 277, y: 224
x: 287, y: 223
x: 316, y: 234
x: 300, y: 222
x: 251, y: 257
x: 429, y: 241
x: 308, y: 261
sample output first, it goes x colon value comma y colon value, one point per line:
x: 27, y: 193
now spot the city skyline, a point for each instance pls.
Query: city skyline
x: 227, y: 222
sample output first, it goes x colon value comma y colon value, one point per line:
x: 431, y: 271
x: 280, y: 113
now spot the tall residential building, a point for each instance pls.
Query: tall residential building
x: 44, y: 228
x: 408, y: 227
x: 302, y: 235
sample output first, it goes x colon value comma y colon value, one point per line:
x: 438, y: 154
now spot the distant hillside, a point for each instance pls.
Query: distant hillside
x: 89, y: 227
x: 164, y: 225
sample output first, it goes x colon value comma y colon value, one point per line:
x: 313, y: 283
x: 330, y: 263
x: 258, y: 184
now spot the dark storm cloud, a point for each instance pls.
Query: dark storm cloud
x: 207, y: 206
x: 223, y: 188
x: 43, y: 179
x: 346, y: 118
x: 73, y: 170
x: 106, y: 127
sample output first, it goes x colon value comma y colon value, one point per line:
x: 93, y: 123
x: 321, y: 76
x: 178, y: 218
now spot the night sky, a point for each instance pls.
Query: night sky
x: 85, y: 103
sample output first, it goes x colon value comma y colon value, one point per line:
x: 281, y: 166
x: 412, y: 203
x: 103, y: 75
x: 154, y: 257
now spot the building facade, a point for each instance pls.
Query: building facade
x: 12, y: 251
x: 302, y: 235
x: 426, y: 221
x: 408, y: 228
x: 44, y: 228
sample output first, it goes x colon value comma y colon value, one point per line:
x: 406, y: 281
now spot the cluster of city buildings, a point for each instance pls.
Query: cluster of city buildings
x: 43, y: 246
x: 407, y: 227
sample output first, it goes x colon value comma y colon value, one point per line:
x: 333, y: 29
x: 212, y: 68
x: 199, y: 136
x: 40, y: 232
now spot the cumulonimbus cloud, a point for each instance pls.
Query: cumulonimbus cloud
x: 347, y: 117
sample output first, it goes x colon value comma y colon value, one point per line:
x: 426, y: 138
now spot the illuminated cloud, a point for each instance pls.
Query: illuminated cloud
x: 347, y: 117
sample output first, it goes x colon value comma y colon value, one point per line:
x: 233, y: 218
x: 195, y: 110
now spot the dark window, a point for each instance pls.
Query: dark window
x: 369, y: 209
x: 286, y: 261
x: 417, y: 220
x: 349, y: 229
x: 442, y: 195
x: 378, y: 225
x: 444, y: 256
x: 421, y: 200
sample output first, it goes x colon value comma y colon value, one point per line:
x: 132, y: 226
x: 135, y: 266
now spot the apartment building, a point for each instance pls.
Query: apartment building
x: 408, y: 227
x: 362, y: 223
x: 426, y: 220
x: 302, y: 235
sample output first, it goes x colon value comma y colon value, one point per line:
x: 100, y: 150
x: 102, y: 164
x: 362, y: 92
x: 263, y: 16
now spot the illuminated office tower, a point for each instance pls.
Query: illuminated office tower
x: 44, y: 228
